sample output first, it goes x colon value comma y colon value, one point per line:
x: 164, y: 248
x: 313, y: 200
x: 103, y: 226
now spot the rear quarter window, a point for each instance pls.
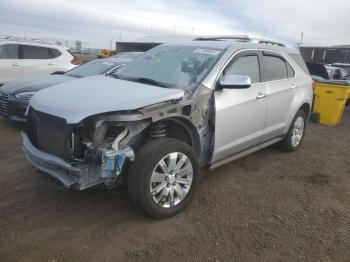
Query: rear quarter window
x: 291, y: 72
x: 300, y: 61
x: 54, y: 53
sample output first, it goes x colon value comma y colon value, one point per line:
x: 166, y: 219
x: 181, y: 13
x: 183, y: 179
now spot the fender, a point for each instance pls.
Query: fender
x: 304, y: 96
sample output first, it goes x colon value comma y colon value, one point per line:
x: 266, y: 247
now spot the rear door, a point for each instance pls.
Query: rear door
x: 282, y: 86
x: 240, y: 113
x: 10, y: 65
x: 37, y: 61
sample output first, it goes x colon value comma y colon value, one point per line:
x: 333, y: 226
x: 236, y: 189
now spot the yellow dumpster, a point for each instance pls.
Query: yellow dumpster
x: 330, y: 99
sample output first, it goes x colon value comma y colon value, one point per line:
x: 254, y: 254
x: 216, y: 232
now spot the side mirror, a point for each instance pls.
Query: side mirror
x: 235, y: 81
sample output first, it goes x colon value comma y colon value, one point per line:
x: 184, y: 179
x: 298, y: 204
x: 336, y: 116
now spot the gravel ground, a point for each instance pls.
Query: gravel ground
x: 267, y: 206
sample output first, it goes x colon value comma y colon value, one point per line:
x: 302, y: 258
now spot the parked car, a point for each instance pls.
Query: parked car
x: 26, y: 59
x: 336, y: 73
x: 321, y: 72
x: 15, y: 95
x: 169, y: 112
x: 317, y: 71
x: 347, y: 78
x: 344, y: 66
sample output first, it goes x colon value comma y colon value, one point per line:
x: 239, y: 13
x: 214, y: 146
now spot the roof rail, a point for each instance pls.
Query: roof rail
x: 31, y: 40
x: 267, y: 42
x: 241, y: 38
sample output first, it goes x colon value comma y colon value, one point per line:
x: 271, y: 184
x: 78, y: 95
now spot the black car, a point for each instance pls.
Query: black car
x: 15, y: 95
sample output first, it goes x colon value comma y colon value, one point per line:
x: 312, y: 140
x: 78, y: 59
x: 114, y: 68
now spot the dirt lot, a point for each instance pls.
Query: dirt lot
x: 265, y: 207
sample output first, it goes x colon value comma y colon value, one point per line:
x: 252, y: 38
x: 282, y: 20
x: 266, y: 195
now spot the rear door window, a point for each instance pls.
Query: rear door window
x: 247, y: 66
x: 274, y: 68
x: 35, y: 52
x: 9, y: 51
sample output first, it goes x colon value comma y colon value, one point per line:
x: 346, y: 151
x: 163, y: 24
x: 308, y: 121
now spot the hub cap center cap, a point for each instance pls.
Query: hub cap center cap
x: 171, y: 178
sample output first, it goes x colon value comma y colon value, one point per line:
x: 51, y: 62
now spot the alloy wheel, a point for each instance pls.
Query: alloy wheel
x: 171, y: 180
x: 298, y: 131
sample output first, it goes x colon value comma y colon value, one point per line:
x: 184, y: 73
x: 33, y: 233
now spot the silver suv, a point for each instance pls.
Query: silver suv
x: 172, y: 111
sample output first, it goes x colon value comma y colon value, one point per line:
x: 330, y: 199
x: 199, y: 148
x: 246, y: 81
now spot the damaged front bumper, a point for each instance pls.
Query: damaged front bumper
x: 78, y: 176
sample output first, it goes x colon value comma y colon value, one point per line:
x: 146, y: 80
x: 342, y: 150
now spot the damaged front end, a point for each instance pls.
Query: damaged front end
x: 98, y: 149
x: 95, y: 151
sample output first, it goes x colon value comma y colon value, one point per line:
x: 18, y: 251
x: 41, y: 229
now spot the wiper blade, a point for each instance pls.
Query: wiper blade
x: 72, y: 75
x: 142, y: 80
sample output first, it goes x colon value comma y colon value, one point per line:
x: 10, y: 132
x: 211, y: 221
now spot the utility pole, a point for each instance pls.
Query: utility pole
x: 192, y: 29
x: 265, y: 33
x: 301, y: 38
x: 151, y: 30
x: 299, y: 44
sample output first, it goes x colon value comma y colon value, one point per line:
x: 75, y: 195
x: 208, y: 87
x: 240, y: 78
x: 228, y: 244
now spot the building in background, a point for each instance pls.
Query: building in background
x: 326, y: 55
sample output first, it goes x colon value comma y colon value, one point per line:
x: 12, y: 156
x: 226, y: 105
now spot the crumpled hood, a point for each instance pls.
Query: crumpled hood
x: 80, y: 98
x: 33, y: 84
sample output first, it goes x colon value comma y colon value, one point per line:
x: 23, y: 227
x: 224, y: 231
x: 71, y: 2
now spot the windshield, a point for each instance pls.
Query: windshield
x: 171, y: 66
x: 95, y: 67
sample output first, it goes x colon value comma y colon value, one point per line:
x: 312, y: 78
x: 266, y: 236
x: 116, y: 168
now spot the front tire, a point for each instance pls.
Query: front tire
x: 163, y: 177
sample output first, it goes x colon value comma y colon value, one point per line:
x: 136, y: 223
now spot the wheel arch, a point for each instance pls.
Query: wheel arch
x: 306, y: 108
x: 179, y: 128
x: 302, y: 101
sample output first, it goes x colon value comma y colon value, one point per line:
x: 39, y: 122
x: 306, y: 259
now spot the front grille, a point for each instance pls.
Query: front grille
x: 4, y: 102
x: 49, y: 133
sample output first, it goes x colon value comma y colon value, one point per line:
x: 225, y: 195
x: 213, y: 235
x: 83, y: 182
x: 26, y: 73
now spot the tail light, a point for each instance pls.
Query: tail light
x: 76, y: 61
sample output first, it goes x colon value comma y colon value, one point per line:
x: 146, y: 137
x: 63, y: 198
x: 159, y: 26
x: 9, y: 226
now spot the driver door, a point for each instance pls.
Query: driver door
x: 240, y: 113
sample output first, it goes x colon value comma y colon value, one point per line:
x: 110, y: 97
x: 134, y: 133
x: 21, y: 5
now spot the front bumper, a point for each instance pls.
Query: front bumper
x: 79, y: 177
x: 13, y: 108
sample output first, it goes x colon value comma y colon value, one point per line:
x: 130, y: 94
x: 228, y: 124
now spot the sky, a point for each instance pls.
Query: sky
x: 98, y: 23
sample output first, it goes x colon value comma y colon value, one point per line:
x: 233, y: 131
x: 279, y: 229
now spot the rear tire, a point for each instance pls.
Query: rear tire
x: 166, y: 165
x: 296, y: 133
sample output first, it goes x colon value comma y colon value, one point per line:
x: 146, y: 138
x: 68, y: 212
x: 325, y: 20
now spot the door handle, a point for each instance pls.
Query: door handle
x: 51, y: 64
x: 16, y: 64
x: 260, y: 95
x: 294, y: 86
